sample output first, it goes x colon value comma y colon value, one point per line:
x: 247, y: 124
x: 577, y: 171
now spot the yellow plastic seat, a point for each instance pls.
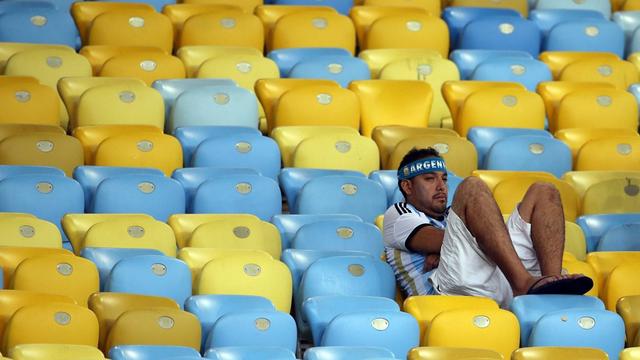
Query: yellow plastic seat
x: 75, y: 226
x: 109, y: 306
x: 501, y: 108
x: 614, y: 153
x: 162, y: 326
x: 452, y: 353
x: 582, y: 180
x: 29, y: 103
x: 425, y: 308
x: 132, y: 28
x: 575, y: 266
x: 313, y: 29
x: 120, y: 104
x: 456, y: 92
x: 146, y: 66
x: 596, y: 108
x: 575, y: 138
x: 53, y: 323
x: 237, y: 233
x: 603, y: 262
x: 520, y: 6
x: 635, y: 59
x: 364, y: 16
x: 194, y: 56
x: 557, y: 61
x: 387, y: 137
x: 627, y: 308
x: 55, y: 352
x: 197, y: 258
x: 617, y: 5
x: 29, y: 232
x: 558, y: 353
x: 493, y: 177
x: 85, y: 12
x: 44, y: 149
x: 575, y: 242
x: 392, y: 102
x: 379, y: 58
x: 248, y: 6
x: 409, y: 30
x: 248, y: 274
x: 91, y: 136
x: 288, y: 137
x: 508, y: 193
x: 223, y: 28
x: 337, y: 151
x: 11, y: 257
x: 457, y: 328
x: 15, y: 80
x: 132, y: 234
x: 98, y: 55
x: 179, y: 13
x: 7, y: 130
x: 632, y: 353
x: 245, y: 70
x: 552, y: 92
x: 621, y: 282
x: 613, y: 71
x: 316, y: 105
x: 8, y: 49
x: 459, y: 153
x: 617, y: 196
x: 270, y: 14
x: 435, y: 72
x: 143, y: 149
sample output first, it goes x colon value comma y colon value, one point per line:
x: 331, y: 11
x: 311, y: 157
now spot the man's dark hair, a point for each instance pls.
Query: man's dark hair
x: 413, y: 155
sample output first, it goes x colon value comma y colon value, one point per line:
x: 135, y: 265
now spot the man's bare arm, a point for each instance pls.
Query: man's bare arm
x: 426, y: 240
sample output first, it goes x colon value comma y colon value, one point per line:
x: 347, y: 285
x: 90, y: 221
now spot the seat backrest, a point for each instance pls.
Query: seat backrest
x: 313, y: 29
x: 132, y: 27
x: 546, y: 19
x: 552, y: 92
x: 55, y: 351
x: 286, y: 59
x: 501, y: 33
x: 595, y: 226
x: 223, y: 28
x: 144, y: 65
x: 84, y: 13
x: 29, y: 103
x: 137, y: 234
x: 620, y: 238
x: 346, y: 352
x: 596, y: 5
x: 529, y: 153
x: 191, y: 136
x: 615, y: 153
x: 244, y: 70
x: 43, y: 149
x: 38, y: 25
x: 242, y: 352
x: 288, y: 224
x: 528, y: 72
x: 196, y: 55
x: 609, y: 70
x: 340, y: 235
x: 11, y: 257
x: 105, y: 258
x: 483, y: 138
x: 408, y: 31
x: 457, y: 17
x: 29, y: 232
x: 150, y: 352
x: 241, y: 232
x: 618, y: 196
x: 341, y: 68
x: 586, y: 35
x: 170, y: 89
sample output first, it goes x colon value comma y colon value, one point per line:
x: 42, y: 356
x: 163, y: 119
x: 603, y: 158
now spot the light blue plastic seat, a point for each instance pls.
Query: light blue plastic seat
x: 320, y: 310
x: 567, y: 328
x: 254, y: 328
x: 191, y: 178
x: 252, y: 151
x: 214, y: 105
x: 634, y: 43
x: 625, y: 237
x: 528, y: 72
x: 156, y: 195
x: 13, y: 170
x: 293, y: 179
x: 629, y: 22
x: 331, y: 235
x: 468, y: 59
x: 38, y: 25
x: 395, y: 330
x: 341, y: 6
x: 157, y: 4
x: 457, y: 17
x: 336, y: 194
x: 155, y: 275
x: 150, y: 352
x: 339, y: 68
x: 287, y: 58
x: 501, y: 33
x: 209, y: 308
x: 235, y: 194
x: 483, y: 138
x: 91, y: 176
x: 529, y: 308
x: 546, y: 19
x: 595, y: 226
x: 347, y: 353
x: 529, y: 153
x: 288, y: 224
x: 250, y: 353
x: 191, y: 136
x: 586, y: 35
x: 8, y: 6
x: 106, y: 258
x: 601, y: 6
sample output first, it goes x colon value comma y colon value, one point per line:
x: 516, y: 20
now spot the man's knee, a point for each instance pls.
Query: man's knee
x: 472, y: 185
x: 544, y: 191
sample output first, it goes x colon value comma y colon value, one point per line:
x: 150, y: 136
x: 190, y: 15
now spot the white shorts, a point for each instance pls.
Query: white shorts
x: 465, y: 270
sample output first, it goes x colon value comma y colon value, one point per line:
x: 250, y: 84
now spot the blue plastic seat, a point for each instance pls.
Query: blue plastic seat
x: 568, y: 328
x: 468, y: 59
x: 286, y: 59
x: 501, y: 33
x: 341, y: 6
x: 601, y: 6
x: 635, y: 91
x: 191, y: 178
x: 595, y: 226
x: 336, y: 194
x: 293, y: 179
x: 191, y: 136
x: 150, y: 352
x: 106, y: 258
x: 483, y: 138
x: 625, y: 237
x: 629, y: 22
x: 546, y: 19
x: 288, y: 224
x: 39, y: 25
x: 254, y: 328
x: 158, y: 196
x: 8, y: 6
x: 457, y: 17
x: 320, y: 310
x: 585, y: 35
x: 529, y: 308
x: 634, y: 43
x: 347, y: 353
x: 155, y: 275
x: 529, y: 153
x: 250, y: 353
x: 331, y: 235
x: 528, y: 72
x: 170, y: 89
x: 13, y: 170
x: 91, y: 176
x: 209, y: 308
x: 339, y: 68
x: 214, y: 105
x: 233, y: 194
x: 251, y: 151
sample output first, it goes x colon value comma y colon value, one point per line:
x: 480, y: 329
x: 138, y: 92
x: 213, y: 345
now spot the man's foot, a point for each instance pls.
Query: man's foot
x: 574, y: 284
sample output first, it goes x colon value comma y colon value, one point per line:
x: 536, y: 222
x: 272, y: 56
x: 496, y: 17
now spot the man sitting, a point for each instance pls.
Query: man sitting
x: 467, y: 249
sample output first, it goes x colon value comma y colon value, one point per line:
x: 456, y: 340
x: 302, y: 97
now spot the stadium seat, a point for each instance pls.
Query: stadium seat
x: 547, y: 19
x: 455, y: 93
x: 620, y: 238
x: 243, y: 69
x: 558, y: 60
x: 616, y: 196
x: 29, y: 232
x: 364, y: 16
x: 627, y: 307
x: 431, y: 6
x: 179, y: 13
x: 286, y: 59
x: 344, y: 235
x: 347, y: 352
x: 270, y: 13
x: 55, y: 352
x: 408, y: 31
x: 38, y: 25
x: 595, y: 226
x: 582, y: 180
x: 11, y: 257
x: 615, y: 153
x: 552, y: 92
x: 129, y: 27
x: 223, y: 28
x: 99, y: 54
x: 528, y: 72
x: 483, y: 138
x: 289, y: 224
x: 13, y: 5
x: 13, y: 170
x: 468, y: 59
x: 194, y: 56
x: 379, y: 58
x: 452, y: 353
x: 575, y: 242
x: 289, y: 137
x: 42, y: 149
x: 619, y: 284
x: 146, y: 66
x: 137, y: 234
x: 501, y: 33
x: 631, y: 353
x: 337, y: 151
x: 192, y: 136
x: 575, y: 138
x: 457, y: 17
x: 586, y: 35
x: 597, y: 5
x: 9, y: 49
x: 493, y: 177
x: 85, y: 12
x: 520, y: 6
x: 557, y: 352
x: 529, y: 153
x: 76, y: 225
x: 596, y: 69
x: 197, y: 258
x: 150, y: 352
x: 603, y: 263
x: 341, y: 68
x: 106, y: 258
x: 192, y: 178
x: 250, y: 352
x: 313, y: 29
x: 29, y: 103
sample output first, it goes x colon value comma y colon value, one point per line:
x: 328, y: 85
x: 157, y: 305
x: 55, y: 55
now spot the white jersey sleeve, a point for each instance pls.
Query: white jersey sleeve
x: 400, y: 223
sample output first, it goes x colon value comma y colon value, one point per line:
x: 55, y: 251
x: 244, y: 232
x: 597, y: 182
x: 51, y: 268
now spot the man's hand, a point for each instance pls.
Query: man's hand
x: 431, y: 262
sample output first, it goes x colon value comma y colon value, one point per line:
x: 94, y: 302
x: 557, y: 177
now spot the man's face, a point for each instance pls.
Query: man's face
x: 427, y: 192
